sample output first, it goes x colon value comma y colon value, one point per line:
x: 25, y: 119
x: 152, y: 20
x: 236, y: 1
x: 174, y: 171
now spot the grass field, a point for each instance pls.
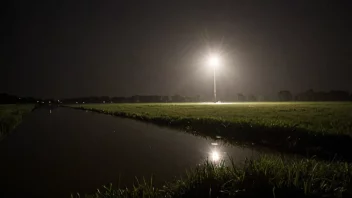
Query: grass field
x: 333, y: 118
x: 321, y: 128
x: 10, y: 116
x: 268, y: 176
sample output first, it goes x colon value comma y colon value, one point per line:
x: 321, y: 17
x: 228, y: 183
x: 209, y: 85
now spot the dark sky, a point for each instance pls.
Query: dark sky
x: 121, y: 48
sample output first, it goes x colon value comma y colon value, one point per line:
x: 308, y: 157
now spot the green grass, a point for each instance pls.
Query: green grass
x: 317, y: 117
x: 10, y: 116
x: 309, y: 128
x: 268, y: 176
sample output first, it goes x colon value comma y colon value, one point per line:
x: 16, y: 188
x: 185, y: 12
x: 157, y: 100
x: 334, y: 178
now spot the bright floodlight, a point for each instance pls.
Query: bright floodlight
x: 214, y: 61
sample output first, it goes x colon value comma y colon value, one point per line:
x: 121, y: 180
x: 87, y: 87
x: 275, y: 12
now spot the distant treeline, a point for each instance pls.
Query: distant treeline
x: 133, y: 99
x: 11, y: 99
x: 310, y: 95
x: 284, y: 95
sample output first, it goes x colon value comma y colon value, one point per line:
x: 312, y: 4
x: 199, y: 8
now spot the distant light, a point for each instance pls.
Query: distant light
x: 37, y: 101
x: 103, y: 101
x: 83, y: 102
x: 76, y: 102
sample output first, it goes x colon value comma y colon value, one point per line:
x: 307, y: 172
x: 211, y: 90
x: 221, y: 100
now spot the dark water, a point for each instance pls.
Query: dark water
x: 57, y: 152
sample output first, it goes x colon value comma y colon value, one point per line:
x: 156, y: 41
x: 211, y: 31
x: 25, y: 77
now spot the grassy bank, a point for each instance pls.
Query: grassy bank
x: 316, y: 117
x: 320, y: 128
x: 268, y: 176
x: 10, y: 116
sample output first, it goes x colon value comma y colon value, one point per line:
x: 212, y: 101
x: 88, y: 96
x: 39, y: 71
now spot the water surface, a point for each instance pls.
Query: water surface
x: 58, y: 151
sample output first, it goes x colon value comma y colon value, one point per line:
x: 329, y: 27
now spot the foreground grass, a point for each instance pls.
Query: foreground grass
x: 10, y: 116
x: 268, y: 176
x: 315, y: 128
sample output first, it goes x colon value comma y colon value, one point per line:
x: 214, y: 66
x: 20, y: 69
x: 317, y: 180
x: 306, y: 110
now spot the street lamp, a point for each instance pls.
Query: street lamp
x: 214, y: 62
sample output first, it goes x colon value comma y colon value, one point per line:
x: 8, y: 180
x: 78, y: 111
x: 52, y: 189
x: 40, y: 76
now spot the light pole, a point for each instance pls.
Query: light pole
x: 214, y: 86
x: 214, y: 63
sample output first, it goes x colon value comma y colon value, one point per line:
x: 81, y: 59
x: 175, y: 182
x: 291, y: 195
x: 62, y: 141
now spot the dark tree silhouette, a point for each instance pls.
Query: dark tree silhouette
x: 252, y: 98
x: 177, y: 98
x: 334, y: 95
x: 285, y: 95
x: 241, y: 97
x: 12, y: 99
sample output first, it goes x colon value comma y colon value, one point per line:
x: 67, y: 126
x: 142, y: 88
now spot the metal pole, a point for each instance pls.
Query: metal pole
x: 214, y: 87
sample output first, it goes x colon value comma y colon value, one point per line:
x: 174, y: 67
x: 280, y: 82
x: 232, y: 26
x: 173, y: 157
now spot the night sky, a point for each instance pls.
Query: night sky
x: 121, y: 48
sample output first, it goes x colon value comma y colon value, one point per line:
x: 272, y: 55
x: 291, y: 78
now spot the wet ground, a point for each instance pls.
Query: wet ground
x: 59, y: 151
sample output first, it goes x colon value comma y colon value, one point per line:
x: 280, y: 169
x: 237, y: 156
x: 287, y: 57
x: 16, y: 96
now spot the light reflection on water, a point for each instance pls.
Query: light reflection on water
x: 215, y: 156
x: 216, y: 153
x: 80, y: 151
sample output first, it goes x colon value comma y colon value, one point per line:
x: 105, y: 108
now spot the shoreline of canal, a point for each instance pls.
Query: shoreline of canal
x: 325, y: 147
